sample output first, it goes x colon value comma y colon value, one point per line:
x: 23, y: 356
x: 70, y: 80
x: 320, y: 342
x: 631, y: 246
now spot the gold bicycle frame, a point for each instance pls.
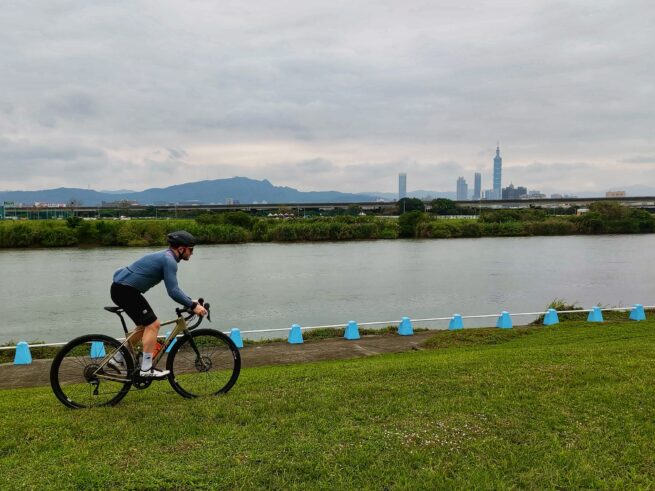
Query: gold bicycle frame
x: 180, y: 326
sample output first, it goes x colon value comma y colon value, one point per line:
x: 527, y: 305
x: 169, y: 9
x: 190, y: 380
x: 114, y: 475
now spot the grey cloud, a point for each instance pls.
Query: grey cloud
x: 316, y: 166
x: 554, y: 167
x: 73, y: 105
x: 21, y: 151
x: 176, y: 153
x: 413, y: 84
x: 639, y: 160
x: 169, y: 167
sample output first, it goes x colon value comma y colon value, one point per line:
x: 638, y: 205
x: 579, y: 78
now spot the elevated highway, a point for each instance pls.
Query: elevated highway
x: 370, y: 207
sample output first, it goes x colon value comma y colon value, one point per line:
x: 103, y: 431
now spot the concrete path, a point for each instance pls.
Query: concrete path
x: 281, y: 353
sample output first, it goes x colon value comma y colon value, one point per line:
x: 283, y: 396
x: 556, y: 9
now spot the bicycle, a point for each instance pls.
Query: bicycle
x: 203, y: 362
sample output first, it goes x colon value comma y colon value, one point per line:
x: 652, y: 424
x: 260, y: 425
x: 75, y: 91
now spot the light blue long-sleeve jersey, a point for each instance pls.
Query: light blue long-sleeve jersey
x: 148, y: 271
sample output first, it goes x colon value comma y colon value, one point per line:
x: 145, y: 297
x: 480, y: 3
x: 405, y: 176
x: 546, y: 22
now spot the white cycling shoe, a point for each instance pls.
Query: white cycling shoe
x: 118, y: 366
x: 154, y: 373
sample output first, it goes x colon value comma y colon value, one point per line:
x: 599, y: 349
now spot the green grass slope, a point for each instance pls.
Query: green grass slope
x: 564, y: 407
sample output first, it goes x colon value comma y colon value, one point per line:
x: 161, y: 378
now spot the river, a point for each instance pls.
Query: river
x: 55, y: 294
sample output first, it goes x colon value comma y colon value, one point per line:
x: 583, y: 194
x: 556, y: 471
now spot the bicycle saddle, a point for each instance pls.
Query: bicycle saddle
x: 114, y: 309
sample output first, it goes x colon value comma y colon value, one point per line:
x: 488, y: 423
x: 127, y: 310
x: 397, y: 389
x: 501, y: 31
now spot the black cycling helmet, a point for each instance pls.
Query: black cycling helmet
x: 181, y: 238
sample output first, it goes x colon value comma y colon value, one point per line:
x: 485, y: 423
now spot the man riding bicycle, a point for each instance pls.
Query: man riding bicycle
x: 131, y: 282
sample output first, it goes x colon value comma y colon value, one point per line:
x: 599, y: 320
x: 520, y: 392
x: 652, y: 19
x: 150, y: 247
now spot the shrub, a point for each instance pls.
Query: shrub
x: 260, y: 230
x: 388, y: 229
x: 20, y: 235
x: 552, y: 226
x: 73, y: 222
x: 644, y: 219
x: 57, y: 237
x: 408, y: 223
x: 504, y: 216
x: 507, y: 229
x: 238, y: 219
x: 590, y: 223
x: 436, y: 229
x: 283, y: 232
x: 471, y: 229
x: 222, y: 234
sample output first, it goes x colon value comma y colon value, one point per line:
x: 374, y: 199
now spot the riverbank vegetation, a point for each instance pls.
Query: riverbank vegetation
x: 238, y: 227
x: 562, y: 407
x: 602, y: 218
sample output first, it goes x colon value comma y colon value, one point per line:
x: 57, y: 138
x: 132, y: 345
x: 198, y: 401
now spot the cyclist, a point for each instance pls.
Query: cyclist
x: 131, y: 282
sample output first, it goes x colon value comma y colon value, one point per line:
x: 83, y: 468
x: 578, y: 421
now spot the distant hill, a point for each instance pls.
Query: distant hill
x: 214, y: 191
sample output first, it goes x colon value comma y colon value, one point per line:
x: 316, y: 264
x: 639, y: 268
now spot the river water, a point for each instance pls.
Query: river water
x: 55, y: 294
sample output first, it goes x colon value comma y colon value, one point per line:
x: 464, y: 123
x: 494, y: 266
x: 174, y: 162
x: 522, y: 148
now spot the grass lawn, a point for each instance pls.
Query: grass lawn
x: 563, y: 407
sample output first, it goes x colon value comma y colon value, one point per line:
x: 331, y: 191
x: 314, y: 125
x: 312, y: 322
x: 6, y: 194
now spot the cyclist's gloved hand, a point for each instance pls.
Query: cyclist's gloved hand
x: 199, y: 309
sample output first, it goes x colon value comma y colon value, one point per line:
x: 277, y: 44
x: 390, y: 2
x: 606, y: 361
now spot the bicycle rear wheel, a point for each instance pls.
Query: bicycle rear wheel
x: 73, y: 374
x: 202, y: 363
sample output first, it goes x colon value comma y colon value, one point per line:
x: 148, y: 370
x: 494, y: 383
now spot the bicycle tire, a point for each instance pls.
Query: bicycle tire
x: 214, y: 373
x: 71, y: 373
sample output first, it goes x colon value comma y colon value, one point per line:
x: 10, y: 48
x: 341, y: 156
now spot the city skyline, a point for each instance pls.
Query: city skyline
x: 306, y: 95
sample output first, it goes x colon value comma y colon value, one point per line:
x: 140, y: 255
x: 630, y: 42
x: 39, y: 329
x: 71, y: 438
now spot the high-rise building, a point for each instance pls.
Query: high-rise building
x: 402, y: 185
x: 477, y: 186
x: 462, y: 189
x: 511, y: 192
x: 498, y: 173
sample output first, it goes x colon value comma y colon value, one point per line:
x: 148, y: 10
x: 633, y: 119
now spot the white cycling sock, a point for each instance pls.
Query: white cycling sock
x: 146, y: 362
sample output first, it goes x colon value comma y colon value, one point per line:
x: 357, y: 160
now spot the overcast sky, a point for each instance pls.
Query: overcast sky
x: 323, y: 95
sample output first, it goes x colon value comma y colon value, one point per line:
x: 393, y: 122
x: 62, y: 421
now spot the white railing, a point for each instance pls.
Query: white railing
x: 388, y: 323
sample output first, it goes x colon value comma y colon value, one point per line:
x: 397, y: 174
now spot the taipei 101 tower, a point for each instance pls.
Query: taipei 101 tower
x: 498, y: 172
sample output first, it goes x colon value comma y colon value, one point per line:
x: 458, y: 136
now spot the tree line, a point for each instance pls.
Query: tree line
x: 237, y: 227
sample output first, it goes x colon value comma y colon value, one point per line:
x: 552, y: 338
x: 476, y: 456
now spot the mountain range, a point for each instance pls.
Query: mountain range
x: 217, y: 191
x: 241, y: 189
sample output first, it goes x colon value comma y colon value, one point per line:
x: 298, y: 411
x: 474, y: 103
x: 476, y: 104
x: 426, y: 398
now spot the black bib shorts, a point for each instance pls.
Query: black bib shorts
x: 133, y: 303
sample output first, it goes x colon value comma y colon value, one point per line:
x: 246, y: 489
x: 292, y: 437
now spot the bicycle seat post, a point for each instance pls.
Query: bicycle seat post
x: 119, y: 312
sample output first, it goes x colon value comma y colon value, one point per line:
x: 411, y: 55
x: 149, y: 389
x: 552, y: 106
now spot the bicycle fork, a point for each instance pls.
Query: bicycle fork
x: 180, y: 328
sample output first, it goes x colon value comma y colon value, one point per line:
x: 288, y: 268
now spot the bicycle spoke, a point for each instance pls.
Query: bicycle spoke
x: 77, y: 377
x: 210, y: 370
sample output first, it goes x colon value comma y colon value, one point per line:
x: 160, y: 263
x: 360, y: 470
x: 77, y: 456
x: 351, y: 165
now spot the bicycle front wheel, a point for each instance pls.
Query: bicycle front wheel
x: 203, y: 363
x: 77, y: 379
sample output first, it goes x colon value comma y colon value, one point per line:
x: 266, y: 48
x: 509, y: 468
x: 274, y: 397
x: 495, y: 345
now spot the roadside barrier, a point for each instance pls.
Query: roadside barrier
x: 405, y: 327
x: 295, y: 335
x: 595, y: 315
x: 456, y: 323
x: 352, y: 331
x: 551, y: 317
x: 638, y: 314
x: 235, y: 336
x: 23, y: 355
x: 97, y: 349
x: 504, y: 321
